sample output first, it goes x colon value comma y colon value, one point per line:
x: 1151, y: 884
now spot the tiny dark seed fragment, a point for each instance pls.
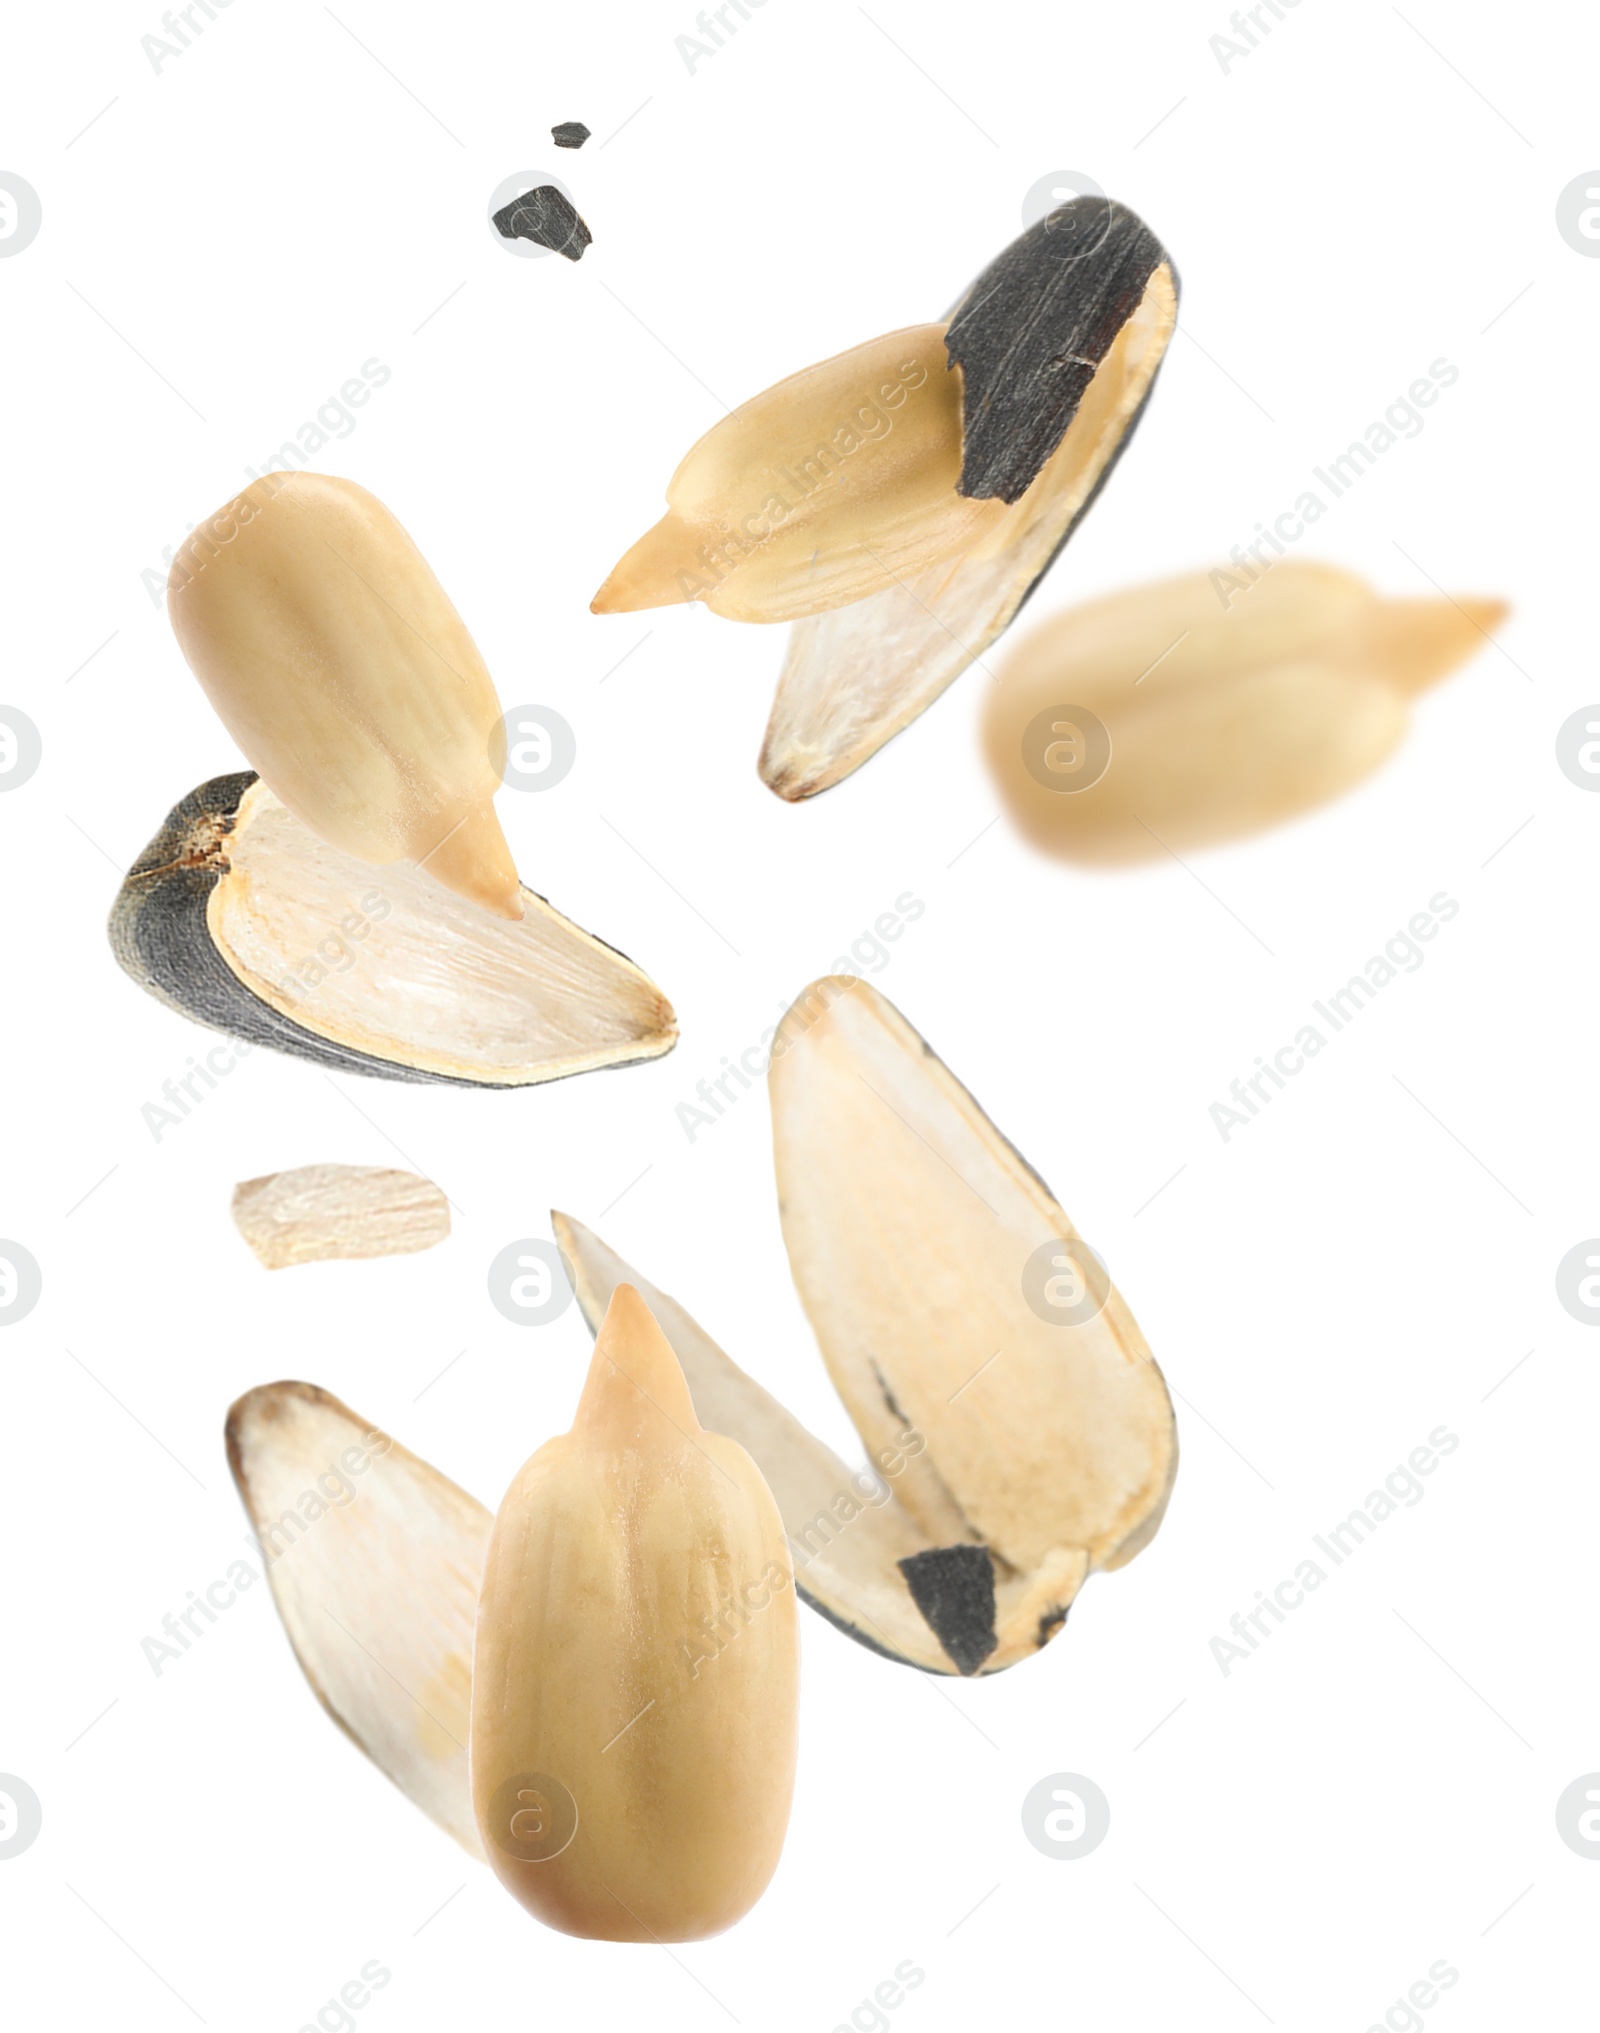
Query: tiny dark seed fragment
x: 953, y: 1586
x: 545, y: 216
x: 570, y: 134
x: 1049, y: 1624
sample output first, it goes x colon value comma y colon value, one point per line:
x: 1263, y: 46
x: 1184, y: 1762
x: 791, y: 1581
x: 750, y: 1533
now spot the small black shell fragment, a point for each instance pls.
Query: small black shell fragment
x: 545, y: 216
x: 570, y: 134
x: 953, y: 1586
x: 1031, y: 331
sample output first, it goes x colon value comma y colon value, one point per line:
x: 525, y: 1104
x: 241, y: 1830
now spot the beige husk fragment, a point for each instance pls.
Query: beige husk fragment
x: 1227, y: 711
x: 854, y: 677
x: 637, y: 1663
x: 375, y: 1562
x: 909, y: 1222
x: 320, y: 1212
x: 337, y: 662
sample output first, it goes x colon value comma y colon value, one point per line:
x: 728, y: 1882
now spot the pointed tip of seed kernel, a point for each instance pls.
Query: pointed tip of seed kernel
x: 474, y: 860
x: 652, y: 573
x: 1415, y: 643
x: 634, y: 1376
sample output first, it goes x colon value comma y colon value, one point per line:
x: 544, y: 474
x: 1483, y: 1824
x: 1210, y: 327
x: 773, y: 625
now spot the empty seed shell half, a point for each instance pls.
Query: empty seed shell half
x: 950, y: 1294
x: 1224, y: 711
x: 320, y: 1212
x: 375, y: 1562
x: 337, y: 662
x: 242, y: 918
x: 636, y: 1679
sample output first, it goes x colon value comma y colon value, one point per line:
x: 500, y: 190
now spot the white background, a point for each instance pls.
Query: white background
x: 1298, y: 1841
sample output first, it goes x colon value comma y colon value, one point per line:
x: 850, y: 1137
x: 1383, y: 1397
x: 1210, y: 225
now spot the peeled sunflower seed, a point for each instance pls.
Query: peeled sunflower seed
x: 1161, y: 717
x: 636, y: 1676
x: 240, y: 917
x: 900, y: 501
x: 336, y: 661
x: 1019, y: 1429
x: 321, y: 1212
x: 375, y: 1562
